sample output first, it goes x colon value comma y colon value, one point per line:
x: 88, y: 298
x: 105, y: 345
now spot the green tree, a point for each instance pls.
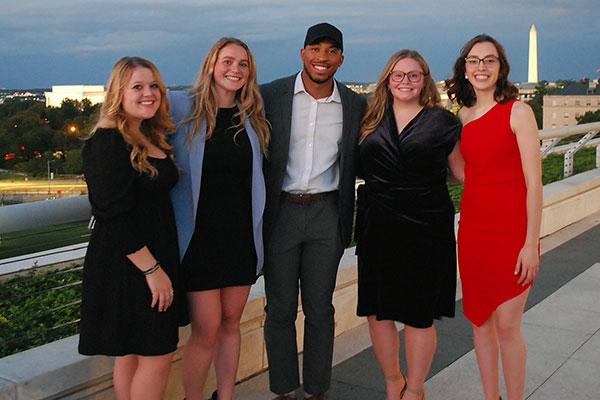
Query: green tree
x: 54, y: 117
x: 70, y: 108
x: 29, y: 129
x: 72, y: 164
x: 88, y: 108
x: 537, y: 102
x: 37, y: 139
x: 13, y: 106
x: 589, y: 116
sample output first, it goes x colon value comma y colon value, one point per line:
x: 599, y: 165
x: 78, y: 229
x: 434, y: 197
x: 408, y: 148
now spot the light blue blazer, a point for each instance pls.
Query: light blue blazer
x: 189, y: 154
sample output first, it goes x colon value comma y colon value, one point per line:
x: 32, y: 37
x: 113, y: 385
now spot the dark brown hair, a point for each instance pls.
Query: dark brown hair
x: 460, y: 89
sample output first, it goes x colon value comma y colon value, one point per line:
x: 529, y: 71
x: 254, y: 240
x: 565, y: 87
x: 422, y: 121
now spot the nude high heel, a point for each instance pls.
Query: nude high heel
x: 396, y: 378
x: 419, y: 392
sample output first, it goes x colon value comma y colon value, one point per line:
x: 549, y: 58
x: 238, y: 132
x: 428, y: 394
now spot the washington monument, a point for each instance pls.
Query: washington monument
x: 532, y: 75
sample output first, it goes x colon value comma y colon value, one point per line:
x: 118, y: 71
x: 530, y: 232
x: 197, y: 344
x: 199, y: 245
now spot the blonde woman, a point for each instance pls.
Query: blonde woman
x: 219, y: 144
x: 130, y: 271
x: 406, y: 245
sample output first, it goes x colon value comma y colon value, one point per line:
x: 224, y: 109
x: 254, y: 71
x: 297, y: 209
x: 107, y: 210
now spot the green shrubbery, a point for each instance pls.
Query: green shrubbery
x: 39, y: 308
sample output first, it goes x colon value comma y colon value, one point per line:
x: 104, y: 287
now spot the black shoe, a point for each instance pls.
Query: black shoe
x: 215, y: 396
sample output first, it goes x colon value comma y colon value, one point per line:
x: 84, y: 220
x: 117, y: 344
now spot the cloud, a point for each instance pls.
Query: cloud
x: 177, y: 34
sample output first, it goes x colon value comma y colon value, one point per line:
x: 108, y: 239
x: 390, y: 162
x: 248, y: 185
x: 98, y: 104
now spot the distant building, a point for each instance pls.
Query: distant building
x: 362, y: 88
x: 574, y: 100
x: 20, y: 96
x: 526, y: 90
x: 94, y: 93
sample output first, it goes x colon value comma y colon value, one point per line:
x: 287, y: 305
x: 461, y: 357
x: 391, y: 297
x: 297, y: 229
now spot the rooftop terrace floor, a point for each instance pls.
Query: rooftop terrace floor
x: 561, y: 326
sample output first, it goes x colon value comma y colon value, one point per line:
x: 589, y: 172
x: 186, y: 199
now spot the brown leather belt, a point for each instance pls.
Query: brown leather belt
x: 305, y: 198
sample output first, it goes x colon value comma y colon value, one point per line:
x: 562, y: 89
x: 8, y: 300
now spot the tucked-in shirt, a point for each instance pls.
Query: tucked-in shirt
x: 315, y: 136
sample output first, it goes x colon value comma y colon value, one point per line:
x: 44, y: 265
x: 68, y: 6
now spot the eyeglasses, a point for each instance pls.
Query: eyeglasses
x: 488, y: 61
x: 413, y: 76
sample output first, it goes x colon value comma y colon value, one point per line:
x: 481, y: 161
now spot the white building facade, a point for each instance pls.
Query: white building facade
x: 94, y: 93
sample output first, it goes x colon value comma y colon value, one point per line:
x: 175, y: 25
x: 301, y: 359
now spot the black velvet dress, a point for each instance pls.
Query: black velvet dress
x: 405, y: 223
x: 132, y: 210
x: 221, y: 252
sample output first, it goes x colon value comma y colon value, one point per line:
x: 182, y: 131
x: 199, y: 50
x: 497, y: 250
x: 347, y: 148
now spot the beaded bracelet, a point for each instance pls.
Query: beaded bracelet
x: 152, y: 269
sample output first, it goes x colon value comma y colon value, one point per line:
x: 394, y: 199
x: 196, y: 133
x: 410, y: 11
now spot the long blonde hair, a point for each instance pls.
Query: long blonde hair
x: 154, y: 129
x: 382, y: 97
x: 205, y: 105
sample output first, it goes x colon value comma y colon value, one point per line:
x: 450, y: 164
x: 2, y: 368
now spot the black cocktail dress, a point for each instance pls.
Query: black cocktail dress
x: 132, y: 210
x: 221, y: 252
x: 405, y: 223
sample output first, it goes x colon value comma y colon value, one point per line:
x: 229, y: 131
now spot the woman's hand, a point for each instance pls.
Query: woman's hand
x: 528, y: 264
x: 161, y: 288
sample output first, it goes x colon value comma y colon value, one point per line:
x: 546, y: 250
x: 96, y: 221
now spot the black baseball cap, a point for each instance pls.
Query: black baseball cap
x: 321, y: 31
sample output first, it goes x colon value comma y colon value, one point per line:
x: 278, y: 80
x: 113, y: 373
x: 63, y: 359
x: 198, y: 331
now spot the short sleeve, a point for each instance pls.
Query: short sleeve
x: 449, y: 127
x: 111, y: 179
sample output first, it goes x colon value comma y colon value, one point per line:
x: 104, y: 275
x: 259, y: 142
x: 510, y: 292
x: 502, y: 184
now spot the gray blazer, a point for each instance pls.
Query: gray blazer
x: 278, y: 96
x: 189, y: 155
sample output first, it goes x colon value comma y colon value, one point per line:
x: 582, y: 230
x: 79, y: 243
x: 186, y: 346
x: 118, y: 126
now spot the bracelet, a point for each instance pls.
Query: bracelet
x: 152, y: 269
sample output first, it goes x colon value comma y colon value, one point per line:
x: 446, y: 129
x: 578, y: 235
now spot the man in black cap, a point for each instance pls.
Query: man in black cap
x: 310, y: 175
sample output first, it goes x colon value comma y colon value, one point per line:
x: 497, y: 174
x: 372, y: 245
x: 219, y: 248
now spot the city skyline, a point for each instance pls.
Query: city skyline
x: 77, y: 42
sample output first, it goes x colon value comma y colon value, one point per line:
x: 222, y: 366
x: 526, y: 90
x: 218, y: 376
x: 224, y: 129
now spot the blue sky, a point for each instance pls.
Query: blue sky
x: 77, y: 41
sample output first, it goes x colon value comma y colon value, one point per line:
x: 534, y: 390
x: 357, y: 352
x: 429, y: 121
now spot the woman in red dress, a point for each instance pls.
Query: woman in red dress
x: 501, y: 206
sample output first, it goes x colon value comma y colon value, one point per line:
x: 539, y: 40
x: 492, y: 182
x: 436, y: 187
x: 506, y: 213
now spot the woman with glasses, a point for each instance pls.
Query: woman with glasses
x: 405, y: 226
x: 498, y: 238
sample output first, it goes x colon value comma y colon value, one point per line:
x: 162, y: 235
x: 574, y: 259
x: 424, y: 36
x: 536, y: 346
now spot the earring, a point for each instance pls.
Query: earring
x: 466, y: 77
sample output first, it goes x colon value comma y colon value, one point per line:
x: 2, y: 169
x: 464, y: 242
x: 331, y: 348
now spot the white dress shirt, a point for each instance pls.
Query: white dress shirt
x: 315, y: 137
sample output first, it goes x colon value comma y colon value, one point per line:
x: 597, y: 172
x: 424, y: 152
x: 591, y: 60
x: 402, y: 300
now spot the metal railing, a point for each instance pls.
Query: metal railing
x: 552, y: 137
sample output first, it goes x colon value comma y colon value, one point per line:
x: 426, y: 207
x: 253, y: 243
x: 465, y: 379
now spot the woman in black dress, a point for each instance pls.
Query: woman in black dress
x: 220, y: 139
x: 130, y: 270
x: 406, y: 245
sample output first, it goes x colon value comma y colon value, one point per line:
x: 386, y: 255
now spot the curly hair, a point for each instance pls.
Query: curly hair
x: 382, y: 97
x: 112, y: 114
x: 460, y: 89
x: 205, y: 105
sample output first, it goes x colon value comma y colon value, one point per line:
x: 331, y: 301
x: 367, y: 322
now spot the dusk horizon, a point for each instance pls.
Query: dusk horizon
x: 68, y: 42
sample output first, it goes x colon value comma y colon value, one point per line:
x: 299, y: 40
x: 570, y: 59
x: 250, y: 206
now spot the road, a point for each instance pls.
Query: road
x: 32, y: 187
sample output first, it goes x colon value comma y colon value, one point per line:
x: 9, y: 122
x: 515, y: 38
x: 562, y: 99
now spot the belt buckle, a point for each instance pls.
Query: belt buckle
x: 301, y: 198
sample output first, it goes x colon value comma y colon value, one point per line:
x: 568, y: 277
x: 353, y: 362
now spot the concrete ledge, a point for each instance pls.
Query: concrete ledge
x: 570, y: 200
x: 56, y: 371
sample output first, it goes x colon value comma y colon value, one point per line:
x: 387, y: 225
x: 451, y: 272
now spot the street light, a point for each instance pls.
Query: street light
x: 50, y: 158
x: 71, y: 129
x: 48, y: 164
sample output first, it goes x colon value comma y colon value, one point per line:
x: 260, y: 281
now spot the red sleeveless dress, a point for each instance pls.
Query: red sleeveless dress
x: 493, y: 216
